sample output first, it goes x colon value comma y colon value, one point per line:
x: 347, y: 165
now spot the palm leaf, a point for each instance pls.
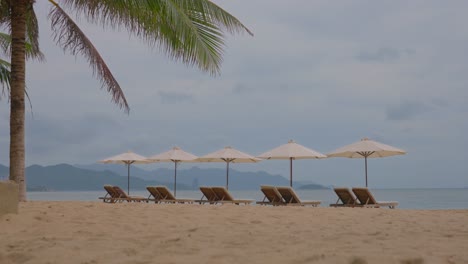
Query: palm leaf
x: 5, y: 13
x: 5, y: 66
x: 32, y: 34
x: 32, y: 30
x: 218, y: 15
x: 31, y: 53
x: 5, y: 43
x: 186, y: 30
x: 68, y: 35
x: 5, y: 77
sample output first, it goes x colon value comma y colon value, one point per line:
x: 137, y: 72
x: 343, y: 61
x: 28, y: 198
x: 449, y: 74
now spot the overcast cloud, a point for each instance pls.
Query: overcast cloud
x: 325, y: 73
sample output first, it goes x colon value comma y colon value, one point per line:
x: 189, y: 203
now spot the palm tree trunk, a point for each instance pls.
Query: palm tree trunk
x: 18, y: 69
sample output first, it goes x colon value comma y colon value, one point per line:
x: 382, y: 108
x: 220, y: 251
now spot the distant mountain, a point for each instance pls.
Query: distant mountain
x: 65, y: 177
x: 196, y: 176
x: 119, y: 169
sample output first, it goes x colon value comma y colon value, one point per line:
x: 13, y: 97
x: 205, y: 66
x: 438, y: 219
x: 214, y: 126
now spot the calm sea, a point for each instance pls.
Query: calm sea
x: 408, y: 198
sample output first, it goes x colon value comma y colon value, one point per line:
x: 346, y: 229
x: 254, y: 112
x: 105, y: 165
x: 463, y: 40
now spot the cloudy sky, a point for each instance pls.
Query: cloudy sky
x: 324, y: 73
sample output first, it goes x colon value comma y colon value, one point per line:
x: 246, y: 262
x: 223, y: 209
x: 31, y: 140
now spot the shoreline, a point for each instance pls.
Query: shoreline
x: 95, y: 232
x: 408, y: 199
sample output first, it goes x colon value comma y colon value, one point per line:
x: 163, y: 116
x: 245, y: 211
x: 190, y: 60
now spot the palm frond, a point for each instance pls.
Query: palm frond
x: 195, y: 41
x: 32, y: 31
x: 186, y: 30
x: 5, y: 43
x: 32, y: 34
x: 5, y: 78
x: 5, y: 48
x: 70, y: 37
x: 219, y: 16
x: 5, y: 13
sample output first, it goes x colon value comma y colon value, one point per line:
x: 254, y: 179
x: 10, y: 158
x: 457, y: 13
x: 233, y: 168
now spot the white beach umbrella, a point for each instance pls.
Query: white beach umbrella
x: 228, y: 155
x: 126, y: 158
x: 175, y: 155
x: 291, y: 151
x: 366, y: 148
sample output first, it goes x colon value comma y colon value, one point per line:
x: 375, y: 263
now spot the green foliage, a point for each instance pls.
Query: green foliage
x: 186, y: 30
x: 5, y: 66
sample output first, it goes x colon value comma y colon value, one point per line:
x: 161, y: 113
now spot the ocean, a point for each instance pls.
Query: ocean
x: 407, y: 198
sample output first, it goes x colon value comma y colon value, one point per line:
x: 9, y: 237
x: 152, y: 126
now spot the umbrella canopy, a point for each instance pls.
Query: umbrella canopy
x: 175, y: 155
x: 126, y: 158
x: 366, y: 148
x: 228, y: 155
x: 291, y: 151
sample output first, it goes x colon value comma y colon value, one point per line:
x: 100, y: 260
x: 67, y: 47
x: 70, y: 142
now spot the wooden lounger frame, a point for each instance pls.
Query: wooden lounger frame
x: 291, y: 198
x: 345, y: 198
x: 366, y: 199
x: 272, y: 196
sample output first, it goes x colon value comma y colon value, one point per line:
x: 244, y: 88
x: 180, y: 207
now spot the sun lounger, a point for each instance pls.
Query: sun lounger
x: 154, y: 194
x: 272, y: 196
x: 123, y: 196
x: 226, y: 197
x: 345, y: 198
x: 291, y: 198
x: 366, y: 199
x: 168, y: 197
x: 209, y: 194
x: 111, y: 195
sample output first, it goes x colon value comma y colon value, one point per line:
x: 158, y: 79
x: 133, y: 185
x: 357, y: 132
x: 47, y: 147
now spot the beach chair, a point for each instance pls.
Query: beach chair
x: 167, y: 197
x: 154, y: 195
x: 366, y: 199
x: 272, y: 196
x: 291, y: 198
x: 123, y: 196
x: 209, y: 194
x: 111, y: 195
x: 226, y: 197
x: 345, y: 198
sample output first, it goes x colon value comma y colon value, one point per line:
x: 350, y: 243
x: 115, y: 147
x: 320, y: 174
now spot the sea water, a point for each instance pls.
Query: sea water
x: 407, y: 198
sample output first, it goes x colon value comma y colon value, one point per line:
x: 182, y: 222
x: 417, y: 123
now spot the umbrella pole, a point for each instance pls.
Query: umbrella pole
x: 227, y: 175
x: 365, y: 161
x: 290, y: 171
x: 175, y: 178
x: 128, y: 178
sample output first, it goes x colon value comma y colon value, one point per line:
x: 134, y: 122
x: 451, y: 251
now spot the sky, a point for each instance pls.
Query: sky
x: 324, y: 73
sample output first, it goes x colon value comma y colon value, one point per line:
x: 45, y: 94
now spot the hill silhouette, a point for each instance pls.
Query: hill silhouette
x: 65, y: 177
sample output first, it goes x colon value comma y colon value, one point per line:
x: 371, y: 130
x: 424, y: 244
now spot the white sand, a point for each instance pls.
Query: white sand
x: 94, y: 232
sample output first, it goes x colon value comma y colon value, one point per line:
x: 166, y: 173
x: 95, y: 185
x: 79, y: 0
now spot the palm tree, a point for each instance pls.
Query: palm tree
x: 190, y: 31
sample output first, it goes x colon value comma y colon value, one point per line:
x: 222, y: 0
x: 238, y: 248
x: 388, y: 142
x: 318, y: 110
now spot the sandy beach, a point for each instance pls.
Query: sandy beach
x: 94, y: 232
